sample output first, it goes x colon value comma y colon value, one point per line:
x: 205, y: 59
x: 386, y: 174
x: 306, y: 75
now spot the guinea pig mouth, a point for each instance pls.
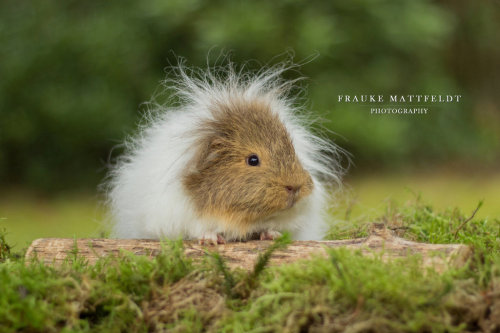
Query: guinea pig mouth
x: 292, y: 199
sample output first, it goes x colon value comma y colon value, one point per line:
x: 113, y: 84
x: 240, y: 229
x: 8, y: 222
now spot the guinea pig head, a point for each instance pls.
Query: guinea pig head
x: 246, y: 168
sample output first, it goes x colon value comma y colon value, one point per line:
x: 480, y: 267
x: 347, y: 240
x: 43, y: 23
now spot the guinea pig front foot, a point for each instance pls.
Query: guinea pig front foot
x: 269, y: 235
x: 212, y: 239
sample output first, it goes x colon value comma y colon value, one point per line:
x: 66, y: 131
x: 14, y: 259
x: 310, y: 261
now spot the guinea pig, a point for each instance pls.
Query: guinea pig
x: 232, y: 159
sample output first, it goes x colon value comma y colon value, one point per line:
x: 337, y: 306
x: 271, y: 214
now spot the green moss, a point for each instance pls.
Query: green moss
x: 4, y: 247
x: 38, y: 298
x: 344, y: 291
x: 418, y: 221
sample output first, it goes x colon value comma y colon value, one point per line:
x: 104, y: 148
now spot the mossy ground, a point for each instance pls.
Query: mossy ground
x: 344, y: 292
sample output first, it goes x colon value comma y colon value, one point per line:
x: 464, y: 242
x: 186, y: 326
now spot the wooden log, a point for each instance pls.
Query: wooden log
x: 243, y: 254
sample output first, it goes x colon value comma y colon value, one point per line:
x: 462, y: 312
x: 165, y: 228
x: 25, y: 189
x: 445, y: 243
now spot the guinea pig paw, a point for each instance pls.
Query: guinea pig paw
x: 269, y: 235
x: 212, y: 239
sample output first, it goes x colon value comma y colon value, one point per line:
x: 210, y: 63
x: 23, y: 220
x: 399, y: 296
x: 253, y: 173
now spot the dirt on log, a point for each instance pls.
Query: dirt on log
x: 381, y: 242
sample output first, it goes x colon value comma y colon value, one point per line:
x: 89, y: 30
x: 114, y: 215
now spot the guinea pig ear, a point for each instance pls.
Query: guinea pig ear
x: 209, y: 152
x: 216, y: 143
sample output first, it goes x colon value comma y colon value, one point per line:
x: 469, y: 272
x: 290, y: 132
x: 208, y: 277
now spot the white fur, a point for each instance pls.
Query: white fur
x: 146, y: 195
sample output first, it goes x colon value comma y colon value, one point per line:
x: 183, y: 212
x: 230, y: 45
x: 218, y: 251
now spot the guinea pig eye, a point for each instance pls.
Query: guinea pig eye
x: 253, y: 160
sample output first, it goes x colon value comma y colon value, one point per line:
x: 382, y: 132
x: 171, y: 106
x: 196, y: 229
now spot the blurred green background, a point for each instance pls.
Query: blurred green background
x: 73, y: 75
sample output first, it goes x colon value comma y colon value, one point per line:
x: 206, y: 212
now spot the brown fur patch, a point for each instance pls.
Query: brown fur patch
x: 224, y: 186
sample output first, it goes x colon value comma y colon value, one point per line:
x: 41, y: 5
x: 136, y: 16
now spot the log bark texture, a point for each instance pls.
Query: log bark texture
x: 244, y: 254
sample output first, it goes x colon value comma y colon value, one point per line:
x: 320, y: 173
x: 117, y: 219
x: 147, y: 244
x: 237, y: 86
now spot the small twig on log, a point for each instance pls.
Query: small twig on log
x: 399, y: 228
x: 455, y: 235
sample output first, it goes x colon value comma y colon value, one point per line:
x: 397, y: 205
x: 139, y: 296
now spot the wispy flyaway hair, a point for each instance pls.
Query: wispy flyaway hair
x: 230, y: 155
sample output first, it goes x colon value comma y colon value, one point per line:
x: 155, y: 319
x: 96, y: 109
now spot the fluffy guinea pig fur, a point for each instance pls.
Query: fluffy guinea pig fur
x: 233, y: 158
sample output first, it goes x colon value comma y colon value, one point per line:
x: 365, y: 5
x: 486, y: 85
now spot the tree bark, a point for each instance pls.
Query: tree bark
x: 381, y: 242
